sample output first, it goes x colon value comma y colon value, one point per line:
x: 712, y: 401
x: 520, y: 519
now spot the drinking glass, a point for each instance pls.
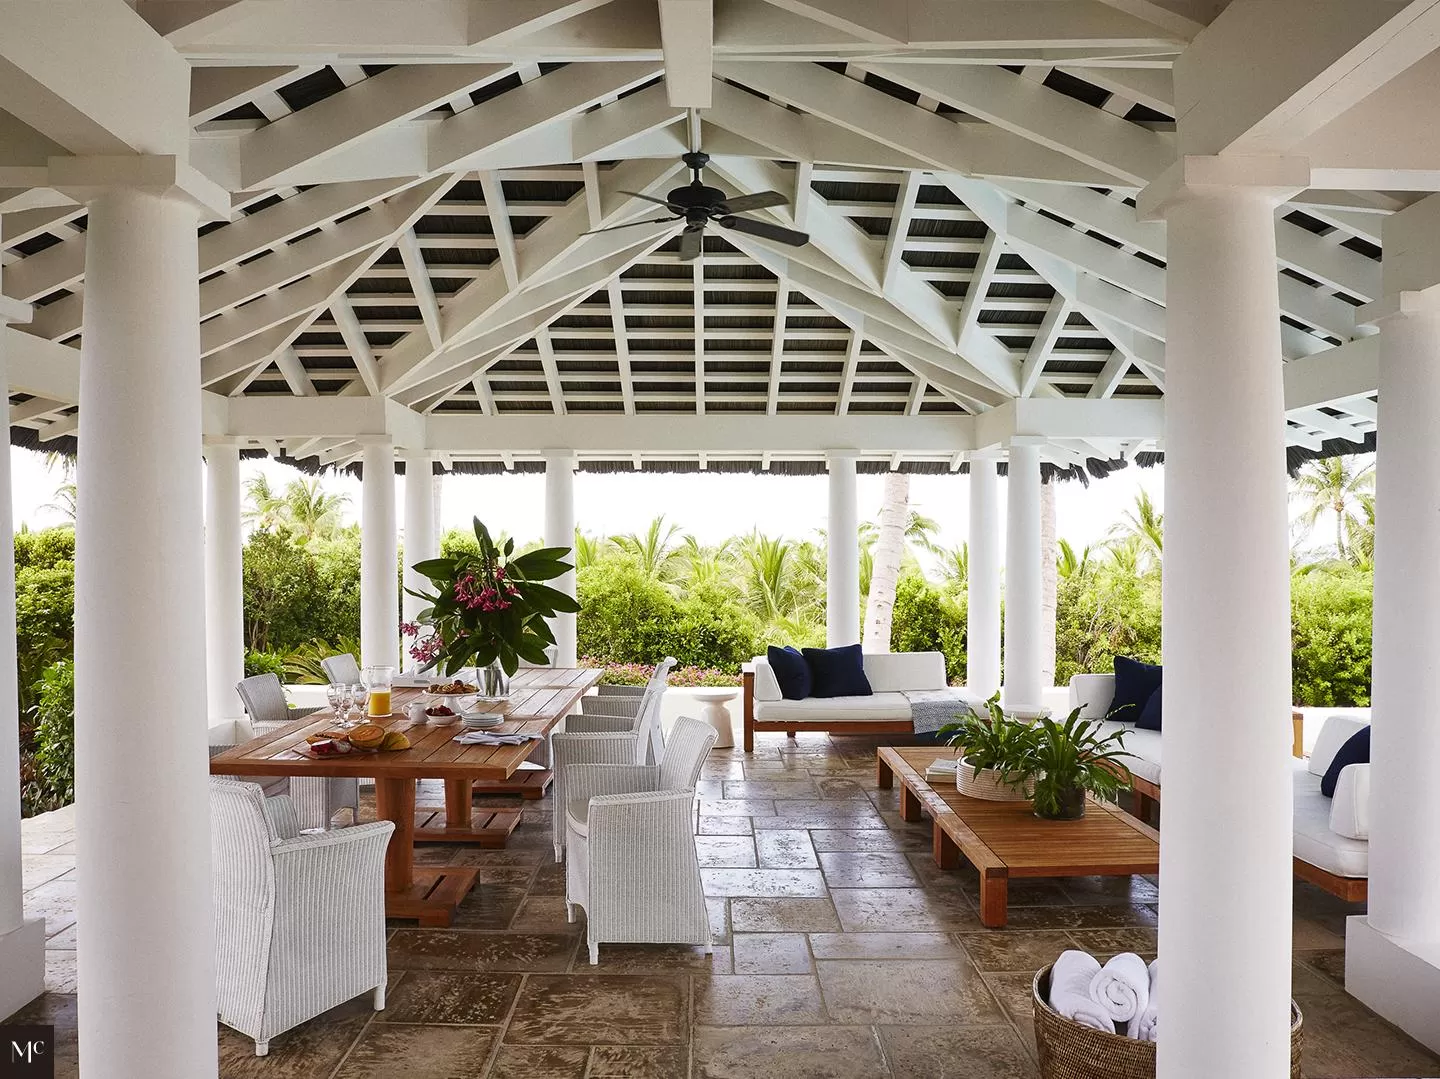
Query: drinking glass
x: 335, y: 695
x: 347, y: 702
x: 359, y: 693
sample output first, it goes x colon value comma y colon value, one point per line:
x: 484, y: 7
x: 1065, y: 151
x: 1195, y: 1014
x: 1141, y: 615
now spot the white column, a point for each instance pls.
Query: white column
x: 224, y: 593
x: 146, y: 937
x: 1022, y: 579
x: 560, y: 532
x: 22, y: 941
x: 842, y: 562
x: 420, y: 539
x: 982, y: 614
x: 1227, y: 630
x: 379, y: 565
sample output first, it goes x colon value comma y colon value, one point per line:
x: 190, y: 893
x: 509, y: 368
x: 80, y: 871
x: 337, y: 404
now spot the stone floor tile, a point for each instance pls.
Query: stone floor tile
x: 771, y: 953
x: 719, y: 910
x: 767, y: 883
x: 455, y: 949
x: 442, y: 1052
x: 1099, y: 917
x: 957, y: 1052
x: 63, y: 940
x: 607, y: 1009
x: 489, y: 906
x: 1329, y: 963
x: 723, y: 851
x: 882, y: 909
x: 549, y: 879
x: 878, y: 839
x: 546, y: 914
x: 1344, y: 1038
x: 313, y: 1048
x: 776, y: 1052
x: 1109, y: 942
x: 867, y: 869
x: 839, y: 787
x: 37, y: 869
x: 837, y: 815
x: 713, y: 825
x: 1010, y: 950
x: 540, y: 1062
x: 1310, y: 934
x: 910, y: 991
x: 802, y: 786
x: 1014, y: 992
x: 61, y: 972
x: 1088, y: 890
x: 637, y: 1062
x: 783, y: 916
x: 654, y: 959
x: 737, y: 807
x: 786, y: 850
x: 758, y: 999
x: 55, y: 902
x: 885, y: 946
x: 437, y: 996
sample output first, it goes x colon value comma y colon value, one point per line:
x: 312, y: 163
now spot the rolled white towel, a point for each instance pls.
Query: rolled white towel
x: 1143, y: 1026
x: 1070, y: 980
x: 1122, y: 987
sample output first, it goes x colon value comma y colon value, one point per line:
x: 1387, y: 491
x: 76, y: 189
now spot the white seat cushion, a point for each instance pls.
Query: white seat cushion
x: 876, y: 708
x: 889, y: 672
x: 577, y: 816
x: 1143, y: 747
x: 1333, y: 735
x: 1314, y: 841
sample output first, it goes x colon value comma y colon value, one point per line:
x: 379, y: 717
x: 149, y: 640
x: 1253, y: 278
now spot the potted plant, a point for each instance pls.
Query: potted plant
x: 991, y: 743
x: 489, y: 609
x: 1066, y: 761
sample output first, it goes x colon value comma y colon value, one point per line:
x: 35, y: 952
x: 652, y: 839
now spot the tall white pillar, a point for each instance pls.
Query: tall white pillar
x: 560, y: 532
x: 224, y: 592
x: 842, y: 560
x: 1226, y: 622
x: 22, y: 941
x: 1022, y: 579
x: 146, y: 935
x: 1392, y: 956
x: 379, y: 565
x: 420, y: 538
x: 982, y: 613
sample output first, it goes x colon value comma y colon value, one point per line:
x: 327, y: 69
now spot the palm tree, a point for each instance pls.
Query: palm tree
x: 768, y: 590
x: 704, y: 565
x: 587, y: 549
x: 1127, y: 555
x: 955, y: 564
x: 1333, y: 485
x: 655, y: 552
x: 66, y: 500
x: 1146, y: 525
x: 1068, y: 564
x: 310, y: 511
x: 264, y: 509
x: 887, y: 553
x: 1360, y: 534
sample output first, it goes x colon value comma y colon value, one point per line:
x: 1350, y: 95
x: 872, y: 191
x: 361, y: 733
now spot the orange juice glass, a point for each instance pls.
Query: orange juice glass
x: 379, y: 680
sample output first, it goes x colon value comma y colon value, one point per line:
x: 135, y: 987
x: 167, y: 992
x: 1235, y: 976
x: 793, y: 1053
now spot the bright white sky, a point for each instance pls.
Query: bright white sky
x: 711, y: 506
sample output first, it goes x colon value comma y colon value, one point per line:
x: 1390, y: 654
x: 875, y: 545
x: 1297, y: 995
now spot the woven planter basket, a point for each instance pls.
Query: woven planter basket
x: 1071, y: 1051
x: 988, y: 787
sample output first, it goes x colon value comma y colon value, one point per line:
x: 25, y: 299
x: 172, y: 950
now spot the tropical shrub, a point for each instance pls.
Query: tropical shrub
x: 637, y: 674
x: 625, y: 616
x: 1104, y: 614
x: 713, y: 631
x: 929, y: 619
x: 302, y: 666
x: 264, y: 663
x: 1330, y: 637
x: 55, y: 733
x: 295, y: 593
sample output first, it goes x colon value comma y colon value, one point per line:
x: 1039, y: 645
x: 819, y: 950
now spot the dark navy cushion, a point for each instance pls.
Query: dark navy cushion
x: 1356, y: 750
x: 838, y: 672
x: 1150, y: 715
x: 791, y: 671
x: 1135, y: 683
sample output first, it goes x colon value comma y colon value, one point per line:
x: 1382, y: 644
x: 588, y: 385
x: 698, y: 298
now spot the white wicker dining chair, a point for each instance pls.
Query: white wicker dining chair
x: 630, y: 839
x: 626, y: 733
x: 299, y: 919
x: 341, y: 668
x: 316, y: 799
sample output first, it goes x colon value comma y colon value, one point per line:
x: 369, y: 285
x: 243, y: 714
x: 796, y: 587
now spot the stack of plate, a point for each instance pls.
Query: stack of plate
x: 481, y: 721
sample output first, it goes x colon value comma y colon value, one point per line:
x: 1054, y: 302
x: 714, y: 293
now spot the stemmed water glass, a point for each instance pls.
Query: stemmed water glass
x: 347, y: 702
x: 360, y: 696
x: 335, y: 695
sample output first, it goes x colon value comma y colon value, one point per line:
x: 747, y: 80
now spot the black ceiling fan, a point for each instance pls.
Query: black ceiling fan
x: 698, y: 205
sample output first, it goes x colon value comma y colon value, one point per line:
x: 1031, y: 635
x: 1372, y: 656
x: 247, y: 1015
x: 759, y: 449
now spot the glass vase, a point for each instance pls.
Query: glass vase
x: 494, y: 684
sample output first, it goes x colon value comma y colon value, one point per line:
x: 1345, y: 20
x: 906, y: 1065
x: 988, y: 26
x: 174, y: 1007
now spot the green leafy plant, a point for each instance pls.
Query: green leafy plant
x: 990, y: 739
x: 1065, y: 761
x: 55, y: 732
x: 303, y: 667
x: 490, y: 606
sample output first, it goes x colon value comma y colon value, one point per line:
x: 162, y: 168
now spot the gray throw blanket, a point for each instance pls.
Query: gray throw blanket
x: 932, y: 709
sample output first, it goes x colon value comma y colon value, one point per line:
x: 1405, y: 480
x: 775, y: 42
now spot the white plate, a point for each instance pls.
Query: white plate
x: 481, y: 721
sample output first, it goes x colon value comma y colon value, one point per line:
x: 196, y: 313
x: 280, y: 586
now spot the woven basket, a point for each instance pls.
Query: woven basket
x: 1071, y: 1051
x: 988, y: 787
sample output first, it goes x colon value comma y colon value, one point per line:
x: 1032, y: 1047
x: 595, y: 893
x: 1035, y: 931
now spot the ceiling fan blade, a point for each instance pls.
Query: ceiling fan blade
x: 632, y: 224
x: 761, y: 201
x: 652, y: 198
x: 690, y: 242
x: 765, y: 230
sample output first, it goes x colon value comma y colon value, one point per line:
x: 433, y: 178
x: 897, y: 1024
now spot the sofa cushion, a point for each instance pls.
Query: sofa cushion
x: 874, y: 707
x: 1334, y: 734
x: 1150, y: 715
x: 836, y: 672
x: 1143, y: 747
x: 1092, y: 694
x: 889, y: 671
x: 766, y: 687
x: 1350, y: 807
x: 792, y: 672
x: 1134, y: 682
x: 1356, y: 750
x: 1315, y: 841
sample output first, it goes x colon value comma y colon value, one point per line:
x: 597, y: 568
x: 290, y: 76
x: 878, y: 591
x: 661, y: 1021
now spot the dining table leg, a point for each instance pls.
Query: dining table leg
x: 395, y: 802
x: 428, y: 894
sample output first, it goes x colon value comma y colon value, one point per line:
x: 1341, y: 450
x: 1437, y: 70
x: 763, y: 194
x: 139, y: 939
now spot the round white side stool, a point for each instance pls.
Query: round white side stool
x: 716, y: 714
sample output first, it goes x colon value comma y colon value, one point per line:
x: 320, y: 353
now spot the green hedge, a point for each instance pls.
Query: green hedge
x: 294, y: 594
x: 1330, y: 637
x: 1101, y: 615
x: 930, y: 619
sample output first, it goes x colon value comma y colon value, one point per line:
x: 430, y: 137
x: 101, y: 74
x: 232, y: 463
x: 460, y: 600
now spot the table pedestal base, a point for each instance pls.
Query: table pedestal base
x: 433, y: 894
x: 485, y: 828
x: 530, y: 783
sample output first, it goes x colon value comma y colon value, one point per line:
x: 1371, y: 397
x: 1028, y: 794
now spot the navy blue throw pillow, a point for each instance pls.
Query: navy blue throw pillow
x: 791, y: 671
x: 1135, y: 683
x: 1356, y: 750
x: 1150, y: 715
x: 838, y: 672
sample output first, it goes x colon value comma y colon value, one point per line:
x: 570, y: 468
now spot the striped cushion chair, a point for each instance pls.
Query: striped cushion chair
x: 299, y: 919
x: 316, y: 799
x: 630, y: 839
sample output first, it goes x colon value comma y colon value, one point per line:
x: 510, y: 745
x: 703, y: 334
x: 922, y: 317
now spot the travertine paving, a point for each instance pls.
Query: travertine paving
x: 841, y: 953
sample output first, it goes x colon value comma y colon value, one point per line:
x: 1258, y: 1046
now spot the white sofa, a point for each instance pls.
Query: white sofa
x: 1331, y: 834
x: 893, y: 677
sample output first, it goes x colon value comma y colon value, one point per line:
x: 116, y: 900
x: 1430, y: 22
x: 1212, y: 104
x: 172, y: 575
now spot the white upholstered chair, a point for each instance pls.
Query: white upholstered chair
x: 316, y: 799
x: 619, y: 730
x: 630, y: 839
x: 299, y: 919
x: 341, y: 668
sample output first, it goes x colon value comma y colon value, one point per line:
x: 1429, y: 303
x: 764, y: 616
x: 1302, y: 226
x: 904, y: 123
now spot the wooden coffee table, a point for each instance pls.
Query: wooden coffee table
x: 1005, y: 839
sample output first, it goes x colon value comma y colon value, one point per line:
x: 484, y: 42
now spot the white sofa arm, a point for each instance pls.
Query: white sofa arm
x: 767, y: 688
x: 1350, y: 808
x: 1092, y: 694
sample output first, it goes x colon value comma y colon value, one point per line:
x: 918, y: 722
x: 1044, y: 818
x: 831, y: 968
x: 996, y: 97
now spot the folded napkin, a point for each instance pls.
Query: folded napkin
x: 1122, y: 987
x: 485, y: 738
x: 1070, y: 980
x: 1143, y: 1025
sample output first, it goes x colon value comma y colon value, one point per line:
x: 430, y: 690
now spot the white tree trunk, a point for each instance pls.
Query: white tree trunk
x: 1048, y: 583
x: 889, y: 549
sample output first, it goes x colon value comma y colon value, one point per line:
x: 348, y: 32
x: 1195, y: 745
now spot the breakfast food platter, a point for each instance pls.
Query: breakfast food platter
x: 366, y: 738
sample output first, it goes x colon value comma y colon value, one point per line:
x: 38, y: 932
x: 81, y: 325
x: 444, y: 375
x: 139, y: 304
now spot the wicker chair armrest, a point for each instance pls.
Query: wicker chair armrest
x: 599, y: 724
x: 621, y: 691
x: 284, y: 821
x: 349, y: 842
x: 587, y: 781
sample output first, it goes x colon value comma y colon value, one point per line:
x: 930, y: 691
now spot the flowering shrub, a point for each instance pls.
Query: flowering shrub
x: 488, y: 606
x: 637, y: 674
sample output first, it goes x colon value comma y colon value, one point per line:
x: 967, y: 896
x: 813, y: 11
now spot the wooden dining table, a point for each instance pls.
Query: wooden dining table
x: 539, y: 698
